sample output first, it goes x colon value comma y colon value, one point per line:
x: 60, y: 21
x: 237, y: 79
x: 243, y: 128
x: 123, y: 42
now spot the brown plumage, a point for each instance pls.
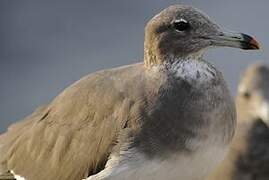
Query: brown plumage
x: 248, y: 158
x: 84, y: 119
x: 142, y: 121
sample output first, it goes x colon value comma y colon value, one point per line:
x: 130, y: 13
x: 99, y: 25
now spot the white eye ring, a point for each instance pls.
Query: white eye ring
x: 181, y: 25
x: 181, y: 20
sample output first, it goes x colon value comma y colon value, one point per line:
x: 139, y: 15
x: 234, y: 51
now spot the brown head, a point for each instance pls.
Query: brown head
x: 181, y: 31
x: 253, y: 93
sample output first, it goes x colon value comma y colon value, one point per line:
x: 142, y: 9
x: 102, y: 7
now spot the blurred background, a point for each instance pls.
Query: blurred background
x: 46, y: 46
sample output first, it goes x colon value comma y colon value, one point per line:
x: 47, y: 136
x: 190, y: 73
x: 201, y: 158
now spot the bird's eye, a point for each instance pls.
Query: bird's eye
x: 246, y: 95
x: 181, y: 25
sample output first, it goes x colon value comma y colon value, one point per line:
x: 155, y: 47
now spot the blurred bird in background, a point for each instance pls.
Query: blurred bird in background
x: 248, y: 158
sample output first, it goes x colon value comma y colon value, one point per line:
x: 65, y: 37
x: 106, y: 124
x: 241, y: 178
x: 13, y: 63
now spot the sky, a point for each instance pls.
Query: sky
x: 47, y: 45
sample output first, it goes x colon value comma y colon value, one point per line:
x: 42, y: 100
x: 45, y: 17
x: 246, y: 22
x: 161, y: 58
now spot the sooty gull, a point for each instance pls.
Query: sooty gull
x: 248, y: 158
x: 164, y: 118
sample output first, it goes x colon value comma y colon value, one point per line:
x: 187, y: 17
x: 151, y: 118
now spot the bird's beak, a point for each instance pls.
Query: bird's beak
x: 237, y: 40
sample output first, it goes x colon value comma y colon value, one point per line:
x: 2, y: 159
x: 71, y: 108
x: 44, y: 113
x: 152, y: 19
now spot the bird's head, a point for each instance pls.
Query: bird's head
x: 253, y: 93
x: 181, y: 31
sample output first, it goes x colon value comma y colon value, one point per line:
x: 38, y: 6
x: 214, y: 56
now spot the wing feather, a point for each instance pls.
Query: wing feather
x: 73, y: 136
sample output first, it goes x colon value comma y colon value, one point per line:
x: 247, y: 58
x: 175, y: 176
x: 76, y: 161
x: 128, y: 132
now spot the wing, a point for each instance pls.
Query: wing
x: 73, y: 136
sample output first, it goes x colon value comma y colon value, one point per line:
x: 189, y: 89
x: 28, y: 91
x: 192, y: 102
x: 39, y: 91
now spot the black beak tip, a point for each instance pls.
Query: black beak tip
x: 249, y: 43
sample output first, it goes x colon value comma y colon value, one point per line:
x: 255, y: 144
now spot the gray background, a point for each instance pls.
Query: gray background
x: 45, y: 46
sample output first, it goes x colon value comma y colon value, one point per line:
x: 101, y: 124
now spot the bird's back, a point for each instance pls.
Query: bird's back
x: 76, y: 130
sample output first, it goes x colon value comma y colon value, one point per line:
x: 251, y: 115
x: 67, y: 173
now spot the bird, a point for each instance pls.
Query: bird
x: 248, y: 157
x: 163, y: 118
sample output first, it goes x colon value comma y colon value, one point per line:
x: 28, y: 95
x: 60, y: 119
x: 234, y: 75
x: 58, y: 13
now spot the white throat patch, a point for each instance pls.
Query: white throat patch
x: 193, y: 71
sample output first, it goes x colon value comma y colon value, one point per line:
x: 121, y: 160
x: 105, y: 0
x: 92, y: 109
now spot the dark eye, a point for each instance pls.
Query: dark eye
x: 246, y: 95
x: 181, y: 25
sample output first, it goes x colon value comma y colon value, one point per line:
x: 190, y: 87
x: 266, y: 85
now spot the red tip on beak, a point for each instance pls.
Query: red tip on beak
x: 249, y: 42
x: 254, y: 43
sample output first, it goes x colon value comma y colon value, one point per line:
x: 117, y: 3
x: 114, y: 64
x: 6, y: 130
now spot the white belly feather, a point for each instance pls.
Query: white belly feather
x: 17, y: 177
x: 182, y: 167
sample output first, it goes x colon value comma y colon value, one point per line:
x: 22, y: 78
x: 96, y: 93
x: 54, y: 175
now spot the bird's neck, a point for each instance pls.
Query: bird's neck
x: 155, y: 58
x: 196, y: 72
